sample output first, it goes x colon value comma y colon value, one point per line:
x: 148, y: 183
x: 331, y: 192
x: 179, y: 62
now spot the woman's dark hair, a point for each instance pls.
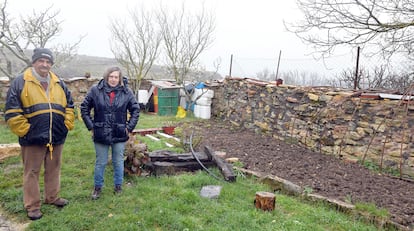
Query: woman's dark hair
x: 110, y: 70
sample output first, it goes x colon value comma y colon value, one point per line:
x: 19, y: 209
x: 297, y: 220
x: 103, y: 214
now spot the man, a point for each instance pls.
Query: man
x: 40, y: 110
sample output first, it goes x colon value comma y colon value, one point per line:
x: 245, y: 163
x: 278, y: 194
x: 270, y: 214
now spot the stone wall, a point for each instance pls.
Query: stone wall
x: 344, y: 123
x: 78, y: 86
x: 4, y: 87
x: 333, y: 121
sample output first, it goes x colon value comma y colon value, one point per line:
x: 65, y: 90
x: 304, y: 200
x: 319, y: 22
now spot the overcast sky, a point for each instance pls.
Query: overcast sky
x: 252, y: 31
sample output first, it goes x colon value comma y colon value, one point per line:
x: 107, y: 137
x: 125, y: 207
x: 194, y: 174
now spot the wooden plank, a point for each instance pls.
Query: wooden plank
x: 369, y: 96
x: 152, y: 137
x: 169, y: 145
x: 165, y: 155
x: 145, y: 131
x: 168, y: 136
x: 173, y: 168
x: 225, y: 168
x: 150, y: 92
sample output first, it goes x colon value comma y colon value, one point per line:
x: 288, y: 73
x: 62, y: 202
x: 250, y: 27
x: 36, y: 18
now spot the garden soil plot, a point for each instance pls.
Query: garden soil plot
x: 324, y: 174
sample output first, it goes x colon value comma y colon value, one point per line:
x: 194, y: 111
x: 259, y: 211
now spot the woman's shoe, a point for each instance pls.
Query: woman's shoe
x: 118, y: 189
x: 96, y: 193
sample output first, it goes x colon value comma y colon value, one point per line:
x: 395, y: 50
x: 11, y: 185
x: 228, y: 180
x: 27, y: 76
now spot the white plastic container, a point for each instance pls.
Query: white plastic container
x: 143, y: 96
x: 203, y: 101
x: 183, y: 103
x: 203, y: 112
x: 196, y: 111
x: 182, y: 92
x: 203, y: 93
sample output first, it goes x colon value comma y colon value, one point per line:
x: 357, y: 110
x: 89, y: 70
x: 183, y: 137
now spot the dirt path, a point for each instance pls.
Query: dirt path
x: 9, y: 225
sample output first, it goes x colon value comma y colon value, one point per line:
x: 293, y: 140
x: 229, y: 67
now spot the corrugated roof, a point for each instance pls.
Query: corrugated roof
x: 164, y: 84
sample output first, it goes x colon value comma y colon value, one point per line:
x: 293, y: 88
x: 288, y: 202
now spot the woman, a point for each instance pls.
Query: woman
x: 111, y: 100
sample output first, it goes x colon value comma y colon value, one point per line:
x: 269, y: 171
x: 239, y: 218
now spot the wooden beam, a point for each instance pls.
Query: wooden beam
x: 225, y: 168
x: 145, y: 131
x: 168, y: 156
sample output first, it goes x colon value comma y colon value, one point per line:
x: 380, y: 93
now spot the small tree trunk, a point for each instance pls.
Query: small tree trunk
x: 265, y: 201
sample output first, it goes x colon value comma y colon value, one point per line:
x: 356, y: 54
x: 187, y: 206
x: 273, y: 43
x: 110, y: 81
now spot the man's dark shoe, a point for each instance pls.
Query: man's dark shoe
x: 34, y: 215
x: 96, y: 193
x: 60, y: 203
x: 118, y: 189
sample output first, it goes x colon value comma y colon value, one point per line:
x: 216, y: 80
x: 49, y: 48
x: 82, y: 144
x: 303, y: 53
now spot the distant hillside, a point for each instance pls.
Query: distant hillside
x: 96, y: 66
x: 82, y: 64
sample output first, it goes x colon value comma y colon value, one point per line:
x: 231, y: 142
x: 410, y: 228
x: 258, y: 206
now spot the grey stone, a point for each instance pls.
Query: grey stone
x: 210, y: 191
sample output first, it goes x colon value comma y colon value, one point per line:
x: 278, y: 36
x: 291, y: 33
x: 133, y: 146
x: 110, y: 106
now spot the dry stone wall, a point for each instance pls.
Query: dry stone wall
x: 4, y: 87
x: 78, y: 86
x: 333, y: 121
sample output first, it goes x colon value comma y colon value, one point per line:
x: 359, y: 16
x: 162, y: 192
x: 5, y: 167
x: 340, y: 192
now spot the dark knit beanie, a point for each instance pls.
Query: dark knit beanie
x: 42, y: 53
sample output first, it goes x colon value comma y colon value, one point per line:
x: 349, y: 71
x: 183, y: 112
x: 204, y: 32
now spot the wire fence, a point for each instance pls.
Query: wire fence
x: 250, y: 67
x: 313, y: 71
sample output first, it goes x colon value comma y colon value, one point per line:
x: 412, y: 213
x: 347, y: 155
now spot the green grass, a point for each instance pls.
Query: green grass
x: 159, y: 203
x: 153, y: 121
x: 375, y: 167
x: 6, y: 136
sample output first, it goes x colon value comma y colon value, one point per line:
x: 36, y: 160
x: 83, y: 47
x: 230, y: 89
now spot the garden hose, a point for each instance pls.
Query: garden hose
x: 198, y: 160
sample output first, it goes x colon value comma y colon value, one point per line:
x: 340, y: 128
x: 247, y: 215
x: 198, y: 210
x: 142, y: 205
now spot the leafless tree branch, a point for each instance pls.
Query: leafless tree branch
x: 185, y: 37
x: 385, y: 25
x: 33, y: 30
x: 137, y: 47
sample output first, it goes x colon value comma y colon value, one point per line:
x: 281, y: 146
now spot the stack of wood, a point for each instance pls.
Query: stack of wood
x: 8, y: 150
x: 136, y: 156
x: 165, y: 162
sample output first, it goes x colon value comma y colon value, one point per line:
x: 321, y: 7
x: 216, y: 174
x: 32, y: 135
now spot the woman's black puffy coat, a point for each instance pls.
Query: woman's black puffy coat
x: 110, y: 122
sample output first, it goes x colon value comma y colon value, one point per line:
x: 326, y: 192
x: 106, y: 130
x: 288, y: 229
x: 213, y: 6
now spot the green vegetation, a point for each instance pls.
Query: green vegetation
x: 159, y: 203
x: 153, y: 121
x: 6, y: 136
x: 307, y: 190
x: 377, y: 168
x: 183, y: 127
x: 371, y: 211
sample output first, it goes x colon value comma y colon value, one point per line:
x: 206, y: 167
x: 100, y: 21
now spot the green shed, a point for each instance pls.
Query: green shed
x: 166, y: 97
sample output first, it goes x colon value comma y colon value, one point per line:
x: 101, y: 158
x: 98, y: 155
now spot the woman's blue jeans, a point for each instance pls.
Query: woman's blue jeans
x: 102, y: 160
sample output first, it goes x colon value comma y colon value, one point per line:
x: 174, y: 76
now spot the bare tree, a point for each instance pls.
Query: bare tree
x: 185, y: 37
x: 385, y: 25
x: 346, y: 78
x: 399, y: 81
x: 40, y: 27
x: 378, y: 77
x: 375, y: 78
x: 302, y: 78
x: 137, y: 47
x: 33, y: 30
x: 265, y: 74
